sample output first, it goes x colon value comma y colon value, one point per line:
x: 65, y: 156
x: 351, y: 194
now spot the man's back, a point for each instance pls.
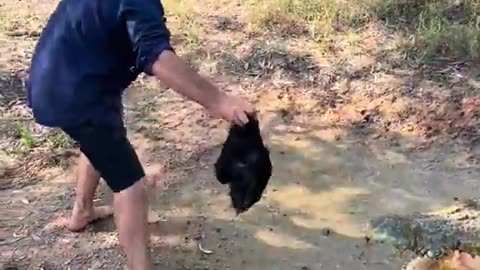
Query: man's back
x: 89, y: 52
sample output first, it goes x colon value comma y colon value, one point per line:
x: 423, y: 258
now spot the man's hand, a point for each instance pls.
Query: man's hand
x: 174, y: 72
x: 233, y: 109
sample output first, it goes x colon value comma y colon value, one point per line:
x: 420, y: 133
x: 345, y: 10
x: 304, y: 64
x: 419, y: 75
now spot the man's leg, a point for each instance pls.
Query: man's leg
x: 109, y: 153
x: 131, y: 218
x: 83, y: 210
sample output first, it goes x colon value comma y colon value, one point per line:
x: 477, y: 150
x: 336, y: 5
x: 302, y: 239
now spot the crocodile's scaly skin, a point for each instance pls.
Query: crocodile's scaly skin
x: 434, y: 234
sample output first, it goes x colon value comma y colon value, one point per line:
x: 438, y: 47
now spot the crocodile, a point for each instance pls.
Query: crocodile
x: 432, y: 235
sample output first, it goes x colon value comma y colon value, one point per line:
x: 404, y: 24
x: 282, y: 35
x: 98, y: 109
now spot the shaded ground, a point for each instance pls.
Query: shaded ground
x: 357, y: 135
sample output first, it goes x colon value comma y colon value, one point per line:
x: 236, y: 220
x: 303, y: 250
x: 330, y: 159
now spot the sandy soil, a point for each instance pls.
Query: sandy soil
x: 323, y: 191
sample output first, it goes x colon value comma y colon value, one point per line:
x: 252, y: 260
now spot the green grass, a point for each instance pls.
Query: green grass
x: 25, y: 136
x: 447, y: 29
x: 58, y: 140
x: 27, y: 140
x: 440, y: 28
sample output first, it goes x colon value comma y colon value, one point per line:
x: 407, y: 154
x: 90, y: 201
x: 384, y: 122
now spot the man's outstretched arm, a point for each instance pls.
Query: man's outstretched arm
x: 150, y: 40
x: 175, y: 73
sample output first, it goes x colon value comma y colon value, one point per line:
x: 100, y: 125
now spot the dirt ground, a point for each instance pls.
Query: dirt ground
x: 365, y: 135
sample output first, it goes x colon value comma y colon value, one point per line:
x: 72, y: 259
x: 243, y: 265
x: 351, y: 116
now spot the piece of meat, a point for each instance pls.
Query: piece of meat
x: 244, y: 164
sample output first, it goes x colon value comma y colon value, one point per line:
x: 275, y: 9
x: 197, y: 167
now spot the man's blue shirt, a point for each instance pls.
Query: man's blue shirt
x: 88, y: 53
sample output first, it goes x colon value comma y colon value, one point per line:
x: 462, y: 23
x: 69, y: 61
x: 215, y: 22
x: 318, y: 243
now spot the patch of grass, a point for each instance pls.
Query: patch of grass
x: 442, y: 28
x: 59, y: 140
x: 184, y: 17
x: 319, y: 18
x: 435, y: 28
x: 25, y: 136
x: 182, y: 10
x: 192, y: 36
x: 28, y: 140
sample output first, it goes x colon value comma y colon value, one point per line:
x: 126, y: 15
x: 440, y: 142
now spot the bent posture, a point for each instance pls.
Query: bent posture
x: 88, y: 53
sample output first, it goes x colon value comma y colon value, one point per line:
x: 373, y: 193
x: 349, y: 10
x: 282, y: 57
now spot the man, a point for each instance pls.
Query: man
x: 88, y: 53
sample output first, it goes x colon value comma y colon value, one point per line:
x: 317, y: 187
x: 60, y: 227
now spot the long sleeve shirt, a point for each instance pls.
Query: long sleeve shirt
x: 89, y: 52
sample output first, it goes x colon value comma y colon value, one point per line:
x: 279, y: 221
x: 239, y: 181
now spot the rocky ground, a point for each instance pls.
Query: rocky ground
x: 357, y: 133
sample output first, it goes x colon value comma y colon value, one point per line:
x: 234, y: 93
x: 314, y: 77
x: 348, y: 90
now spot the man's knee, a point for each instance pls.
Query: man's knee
x: 135, y: 193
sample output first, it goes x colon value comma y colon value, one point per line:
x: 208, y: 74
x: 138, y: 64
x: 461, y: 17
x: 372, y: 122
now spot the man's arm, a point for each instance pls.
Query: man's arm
x: 175, y: 73
x: 154, y: 55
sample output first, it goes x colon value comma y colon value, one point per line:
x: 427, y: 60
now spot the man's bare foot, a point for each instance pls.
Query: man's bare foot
x: 152, y: 217
x: 422, y: 264
x: 462, y: 261
x: 81, y: 218
x: 454, y: 261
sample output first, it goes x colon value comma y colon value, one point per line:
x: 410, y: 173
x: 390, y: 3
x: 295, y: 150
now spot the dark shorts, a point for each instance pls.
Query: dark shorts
x: 110, y: 152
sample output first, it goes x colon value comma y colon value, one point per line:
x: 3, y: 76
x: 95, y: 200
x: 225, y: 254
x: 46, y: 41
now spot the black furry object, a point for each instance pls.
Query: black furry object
x: 244, y: 164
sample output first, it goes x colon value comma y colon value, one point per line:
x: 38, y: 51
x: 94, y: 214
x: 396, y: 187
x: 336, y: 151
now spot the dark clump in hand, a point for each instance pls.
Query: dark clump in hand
x: 244, y: 164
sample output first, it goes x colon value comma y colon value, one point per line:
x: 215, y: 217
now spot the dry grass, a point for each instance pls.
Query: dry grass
x: 317, y: 18
x: 441, y: 28
x: 433, y: 29
x: 182, y: 10
x: 321, y: 40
